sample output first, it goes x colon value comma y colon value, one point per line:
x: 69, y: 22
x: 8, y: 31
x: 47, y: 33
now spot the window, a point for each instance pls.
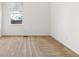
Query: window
x: 16, y: 13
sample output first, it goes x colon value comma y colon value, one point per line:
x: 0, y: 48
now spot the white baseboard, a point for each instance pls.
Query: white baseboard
x: 77, y: 52
x: 29, y: 35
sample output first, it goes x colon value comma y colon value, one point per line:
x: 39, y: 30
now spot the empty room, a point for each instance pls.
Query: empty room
x: 39, y: 29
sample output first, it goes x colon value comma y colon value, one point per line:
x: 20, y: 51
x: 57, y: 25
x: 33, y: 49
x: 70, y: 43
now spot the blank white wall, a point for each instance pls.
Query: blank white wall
x: 36, y: 20
x: 65, y: 24
x: 0, y: 18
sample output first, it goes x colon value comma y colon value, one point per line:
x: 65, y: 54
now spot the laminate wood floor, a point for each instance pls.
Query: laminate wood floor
x: 33, y: 46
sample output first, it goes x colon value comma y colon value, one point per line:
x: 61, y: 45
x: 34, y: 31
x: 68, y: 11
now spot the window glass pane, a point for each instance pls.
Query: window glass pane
x: 16, y: 18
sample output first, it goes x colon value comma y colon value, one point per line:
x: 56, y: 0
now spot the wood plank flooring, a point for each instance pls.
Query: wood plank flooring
x: 33, y: 46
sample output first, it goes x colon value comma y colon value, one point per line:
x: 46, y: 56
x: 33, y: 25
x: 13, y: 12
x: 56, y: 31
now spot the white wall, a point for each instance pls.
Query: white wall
x: 0, y: 18
x: 36, y: 20
x: 65, y: 24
